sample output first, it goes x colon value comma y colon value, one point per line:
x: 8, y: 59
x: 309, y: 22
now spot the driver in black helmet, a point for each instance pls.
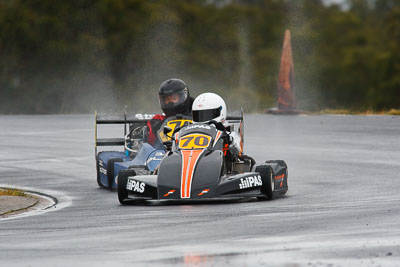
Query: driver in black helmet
x: 174, y: 99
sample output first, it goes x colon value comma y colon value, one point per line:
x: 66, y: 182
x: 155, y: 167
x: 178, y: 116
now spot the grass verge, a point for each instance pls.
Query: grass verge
x: 18, y: 208
x: 12, y: 192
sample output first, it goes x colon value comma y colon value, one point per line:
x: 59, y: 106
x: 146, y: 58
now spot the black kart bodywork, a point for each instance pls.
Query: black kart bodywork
x: 199, y: 165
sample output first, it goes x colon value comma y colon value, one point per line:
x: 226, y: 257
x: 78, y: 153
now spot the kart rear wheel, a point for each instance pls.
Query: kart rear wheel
x: 268, y: 186
x: 286, y: 183
x: 110, y: 171
x: 98, y: 173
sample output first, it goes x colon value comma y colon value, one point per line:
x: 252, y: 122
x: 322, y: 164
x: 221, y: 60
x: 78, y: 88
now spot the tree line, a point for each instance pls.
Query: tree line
x: 80, y: 55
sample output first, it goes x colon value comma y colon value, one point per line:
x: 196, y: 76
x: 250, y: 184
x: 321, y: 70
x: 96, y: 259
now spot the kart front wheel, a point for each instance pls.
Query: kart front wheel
x: 268, y: 186
x: 122, y: 192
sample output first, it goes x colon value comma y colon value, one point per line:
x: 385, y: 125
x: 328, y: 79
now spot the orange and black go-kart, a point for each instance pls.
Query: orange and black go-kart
x: 199, y: 165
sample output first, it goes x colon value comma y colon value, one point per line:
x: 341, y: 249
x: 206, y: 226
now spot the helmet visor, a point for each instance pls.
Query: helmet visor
x: 173, y: 100
x: 206, y: 115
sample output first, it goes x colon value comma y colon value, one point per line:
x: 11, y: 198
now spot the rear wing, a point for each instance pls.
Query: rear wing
x: 123, y: 118
x: 235, y: 117
x: 129, y: 120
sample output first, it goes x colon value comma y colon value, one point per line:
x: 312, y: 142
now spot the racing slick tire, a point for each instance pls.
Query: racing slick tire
x: 267, y: 177
x: 283, y: 188
x: 110, y: 171
x: 122, y: 181
x: 285, y: 183
x: 98, y: 173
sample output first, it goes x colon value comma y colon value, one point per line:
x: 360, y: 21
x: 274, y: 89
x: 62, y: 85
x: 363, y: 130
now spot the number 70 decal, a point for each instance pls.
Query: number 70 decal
x: 194, y: 141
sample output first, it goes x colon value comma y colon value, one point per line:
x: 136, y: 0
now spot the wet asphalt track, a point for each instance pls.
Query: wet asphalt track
x: 342, y: 208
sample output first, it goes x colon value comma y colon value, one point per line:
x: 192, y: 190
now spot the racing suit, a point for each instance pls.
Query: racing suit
x: 235, y: 143
x: 153, y: 126
x: 155, y: 123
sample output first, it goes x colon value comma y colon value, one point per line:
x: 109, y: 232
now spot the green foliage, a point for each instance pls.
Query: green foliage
x: 81, y: 55
x: 12, y: 192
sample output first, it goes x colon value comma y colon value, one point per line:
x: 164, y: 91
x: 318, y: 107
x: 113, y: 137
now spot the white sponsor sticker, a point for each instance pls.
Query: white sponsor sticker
x: 103, y: 171
x: 157, y: 157
x: 101, y: 167
x: 199, y: 126
x: 251, y: 181
x: 135, y: 186
x: 144, y: 116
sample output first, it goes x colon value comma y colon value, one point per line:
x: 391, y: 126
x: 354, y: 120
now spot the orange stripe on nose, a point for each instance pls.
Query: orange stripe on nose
x: 189, y: 160
x: 185, y: 161
x: 193, y: 161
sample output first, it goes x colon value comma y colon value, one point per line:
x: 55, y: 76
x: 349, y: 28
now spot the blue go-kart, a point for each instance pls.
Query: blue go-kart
x: 136, y: 153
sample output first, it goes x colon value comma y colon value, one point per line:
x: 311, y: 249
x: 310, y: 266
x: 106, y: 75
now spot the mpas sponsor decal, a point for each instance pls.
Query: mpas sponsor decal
x: 251, y: 181
x: 135, y: 186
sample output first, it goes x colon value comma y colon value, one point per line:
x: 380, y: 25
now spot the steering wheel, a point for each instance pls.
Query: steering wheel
x: 217, y: 125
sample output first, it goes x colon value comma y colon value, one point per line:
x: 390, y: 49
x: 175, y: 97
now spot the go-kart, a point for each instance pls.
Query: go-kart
x: 198, y: 164
x: 136, y: 152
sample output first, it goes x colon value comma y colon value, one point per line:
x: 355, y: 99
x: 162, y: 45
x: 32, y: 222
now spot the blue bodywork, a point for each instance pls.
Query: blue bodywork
x: 147, y: 156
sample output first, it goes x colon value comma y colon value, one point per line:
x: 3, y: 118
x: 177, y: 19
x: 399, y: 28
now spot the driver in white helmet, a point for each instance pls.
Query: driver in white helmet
x: 211, y: 107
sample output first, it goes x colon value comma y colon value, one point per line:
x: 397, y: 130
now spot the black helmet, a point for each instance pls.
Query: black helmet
x: 174, y: 97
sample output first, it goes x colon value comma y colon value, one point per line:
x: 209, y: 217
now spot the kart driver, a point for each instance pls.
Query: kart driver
x: 210, y: 107
x: 174, y: 99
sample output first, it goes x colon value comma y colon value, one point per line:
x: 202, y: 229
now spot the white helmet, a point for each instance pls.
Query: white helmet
x: 209, y: 106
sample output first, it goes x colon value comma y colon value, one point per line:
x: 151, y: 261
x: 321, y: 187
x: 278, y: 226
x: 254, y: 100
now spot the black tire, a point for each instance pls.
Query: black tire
x: 286, y: 183
x: 282, y: 163
x: 110, y: 171
x: 122, y: 191
x: 267, y: 177
x: 98, y: 173
x: 279, y: 161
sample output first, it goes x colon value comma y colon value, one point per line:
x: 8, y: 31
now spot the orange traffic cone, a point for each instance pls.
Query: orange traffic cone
x: 286, y: 94
x: 286, y: 98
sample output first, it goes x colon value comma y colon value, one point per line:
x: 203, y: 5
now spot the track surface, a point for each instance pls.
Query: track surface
x: 342, y: 208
